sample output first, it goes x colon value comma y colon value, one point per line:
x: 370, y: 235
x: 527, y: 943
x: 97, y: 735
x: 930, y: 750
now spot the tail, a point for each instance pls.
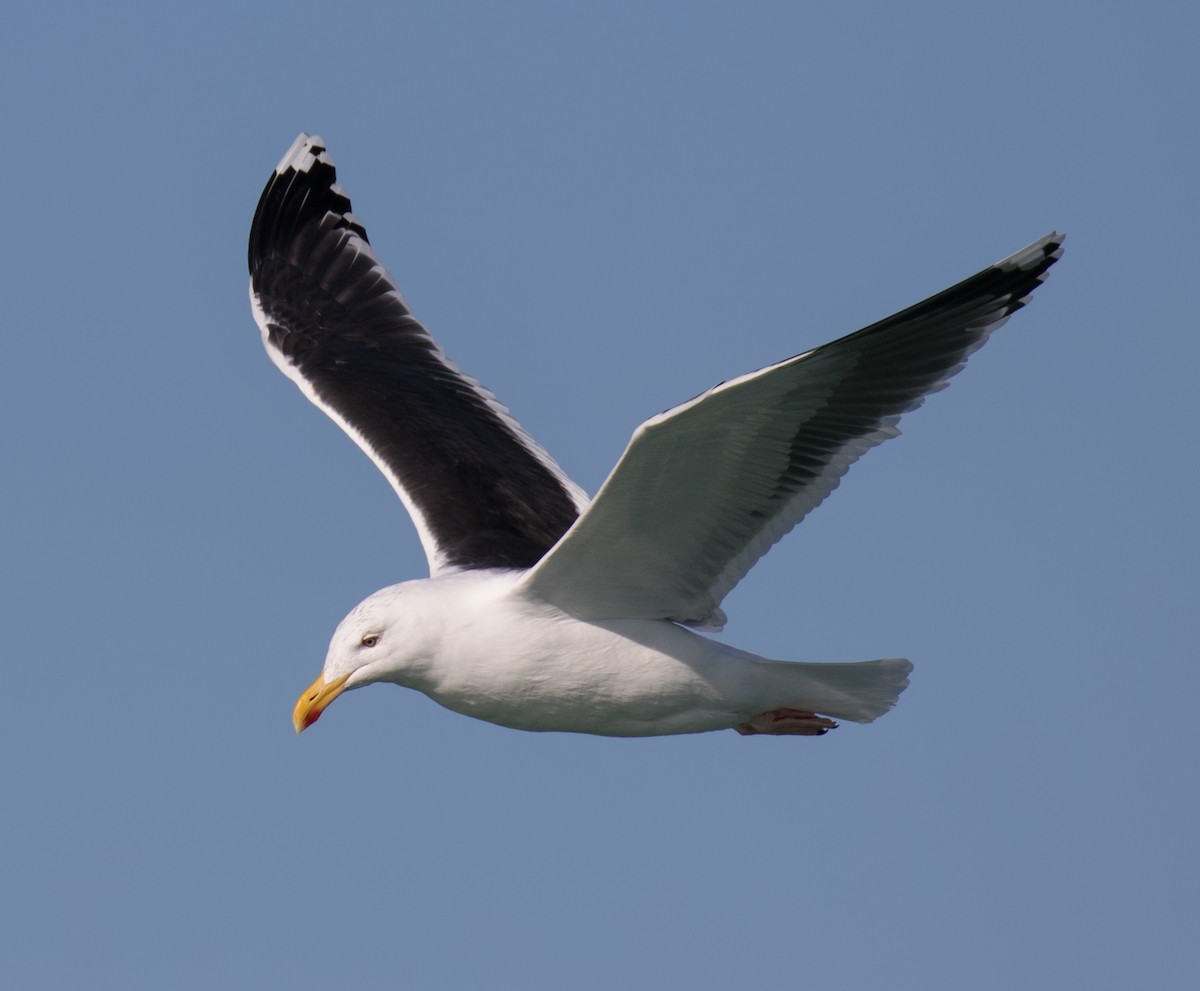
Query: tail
x: 860, y: 692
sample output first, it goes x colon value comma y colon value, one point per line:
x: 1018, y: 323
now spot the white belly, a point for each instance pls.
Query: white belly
x: 532, y: 667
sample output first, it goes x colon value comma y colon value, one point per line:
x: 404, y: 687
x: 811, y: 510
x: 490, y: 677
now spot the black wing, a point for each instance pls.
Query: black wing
x: 481, y: 492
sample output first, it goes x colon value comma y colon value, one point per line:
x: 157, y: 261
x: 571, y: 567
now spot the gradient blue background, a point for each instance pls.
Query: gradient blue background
x: 601, y: 210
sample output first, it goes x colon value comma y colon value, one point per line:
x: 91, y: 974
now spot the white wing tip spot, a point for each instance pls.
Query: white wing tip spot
x: 305, y: 151
x: 1034, y: 254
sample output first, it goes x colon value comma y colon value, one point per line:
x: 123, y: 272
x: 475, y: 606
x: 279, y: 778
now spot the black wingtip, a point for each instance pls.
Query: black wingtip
x: 302, y: 187
x: 1030, y: 266
x: 1036, y: 257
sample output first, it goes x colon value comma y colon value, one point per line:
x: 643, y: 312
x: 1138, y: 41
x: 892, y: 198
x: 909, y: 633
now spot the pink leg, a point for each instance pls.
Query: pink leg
x: 787, y: 722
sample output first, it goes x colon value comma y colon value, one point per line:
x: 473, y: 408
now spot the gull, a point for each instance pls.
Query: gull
x: 545, y: 611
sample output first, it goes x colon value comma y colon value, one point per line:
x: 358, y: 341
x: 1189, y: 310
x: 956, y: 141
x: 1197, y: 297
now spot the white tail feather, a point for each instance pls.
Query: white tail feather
x: 859, y: 692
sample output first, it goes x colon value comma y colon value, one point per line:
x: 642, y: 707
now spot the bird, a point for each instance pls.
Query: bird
x: 544, y: 610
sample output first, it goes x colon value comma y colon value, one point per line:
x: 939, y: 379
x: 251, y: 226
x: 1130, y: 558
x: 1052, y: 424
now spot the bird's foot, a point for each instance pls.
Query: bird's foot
x: 787, y: 722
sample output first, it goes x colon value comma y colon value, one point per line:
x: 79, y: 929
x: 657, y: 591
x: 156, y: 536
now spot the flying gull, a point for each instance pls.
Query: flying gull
x: 544, y: 611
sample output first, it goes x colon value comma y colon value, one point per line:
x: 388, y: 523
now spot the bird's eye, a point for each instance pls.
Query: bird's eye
x: 370, y: 640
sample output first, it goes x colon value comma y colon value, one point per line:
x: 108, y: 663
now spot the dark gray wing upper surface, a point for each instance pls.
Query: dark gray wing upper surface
x: 481, y: 493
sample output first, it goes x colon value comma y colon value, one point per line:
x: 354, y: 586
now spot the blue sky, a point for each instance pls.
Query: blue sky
x: 601, y: 210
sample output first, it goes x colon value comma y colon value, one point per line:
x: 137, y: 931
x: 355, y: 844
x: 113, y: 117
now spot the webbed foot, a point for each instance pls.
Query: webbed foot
x: 787, y: 722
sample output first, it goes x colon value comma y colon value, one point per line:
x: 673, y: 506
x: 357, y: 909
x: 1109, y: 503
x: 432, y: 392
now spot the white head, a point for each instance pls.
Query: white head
x: 386, y: 637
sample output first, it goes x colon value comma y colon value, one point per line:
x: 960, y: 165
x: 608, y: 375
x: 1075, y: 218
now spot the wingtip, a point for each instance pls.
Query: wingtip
x: 303, y: 184
x: 305, y: 151
x: 1043, y: 252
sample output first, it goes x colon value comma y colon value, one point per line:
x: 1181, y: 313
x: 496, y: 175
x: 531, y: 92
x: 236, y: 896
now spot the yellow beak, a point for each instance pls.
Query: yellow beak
x: 312, y: 703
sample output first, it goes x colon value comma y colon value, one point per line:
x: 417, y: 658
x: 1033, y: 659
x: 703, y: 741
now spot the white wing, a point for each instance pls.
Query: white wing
x: 706, y: 488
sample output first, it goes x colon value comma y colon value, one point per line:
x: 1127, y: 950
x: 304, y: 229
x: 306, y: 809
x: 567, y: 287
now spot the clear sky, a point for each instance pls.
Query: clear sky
x: 601, y: 210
